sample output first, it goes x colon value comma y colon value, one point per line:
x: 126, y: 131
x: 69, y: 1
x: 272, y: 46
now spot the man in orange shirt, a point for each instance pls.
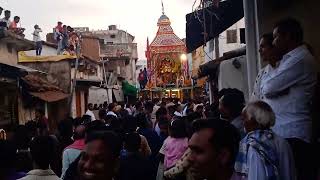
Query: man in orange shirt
x: 14, y: 26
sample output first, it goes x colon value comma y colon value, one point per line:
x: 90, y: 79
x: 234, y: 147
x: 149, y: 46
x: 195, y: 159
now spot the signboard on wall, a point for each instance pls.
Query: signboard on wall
x: 97, y: 95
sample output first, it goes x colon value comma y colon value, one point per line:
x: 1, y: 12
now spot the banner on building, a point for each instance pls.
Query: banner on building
x: 25, y: 57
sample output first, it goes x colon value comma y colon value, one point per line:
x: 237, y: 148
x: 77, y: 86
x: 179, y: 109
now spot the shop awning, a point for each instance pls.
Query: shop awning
x: 217, y: 21
x: 50, y: 96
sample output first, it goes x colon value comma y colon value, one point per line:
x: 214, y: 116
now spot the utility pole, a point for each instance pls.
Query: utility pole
x: 74, y: 80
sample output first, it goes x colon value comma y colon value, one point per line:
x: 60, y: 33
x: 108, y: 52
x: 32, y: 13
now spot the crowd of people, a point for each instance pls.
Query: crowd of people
x: 267, y: 138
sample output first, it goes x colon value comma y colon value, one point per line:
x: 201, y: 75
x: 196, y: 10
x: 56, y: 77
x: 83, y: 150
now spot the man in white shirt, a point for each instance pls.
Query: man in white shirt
x: 37, y: 39
x: 6, y: 19
x: 90, y: 112
x: 289, y: 91
x: 42, y: 152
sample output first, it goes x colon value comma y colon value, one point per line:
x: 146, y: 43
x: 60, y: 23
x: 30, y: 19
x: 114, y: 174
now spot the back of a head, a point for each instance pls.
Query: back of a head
x: 32, y: 128
x: 261, y: 112
x: 162, y: 111
x: 21, y: 137
x: 42, y: 151
x: 129, y: 124
x: 224, y: 136
x: 171, y: 110
x: 7, y: 12
x: 132, y: 142
x: 102, y: 114
x: 110, y: 118
x: 16, y: 18
x: 123, y: 113
x: 234, y: 100
x: 111, y: 140
x: 65, y: 128
x: 95, y: 126
x: 40, y: 111
x: 79, y: 132
x: 142, y: 121
x: 292, y: 27
x: 105, y: 105
x: 268, y: 38
x: 111, y: 106
x: 138, y: 105
x: 149, y: 106
x: 77, y: 121
x: 86, y: 119
x: 7, y: 155
x: 200, y: 108
x: 178, y: 129
x: 163, y: 121
x: 90, y: 105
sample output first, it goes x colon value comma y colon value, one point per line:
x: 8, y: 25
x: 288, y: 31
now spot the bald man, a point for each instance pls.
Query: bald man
x: 73, y: 151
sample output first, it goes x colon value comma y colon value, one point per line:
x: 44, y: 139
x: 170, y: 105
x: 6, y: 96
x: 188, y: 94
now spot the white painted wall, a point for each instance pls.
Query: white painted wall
x: 46, y: 51
x: 223, y: 45
x: 6, y: 57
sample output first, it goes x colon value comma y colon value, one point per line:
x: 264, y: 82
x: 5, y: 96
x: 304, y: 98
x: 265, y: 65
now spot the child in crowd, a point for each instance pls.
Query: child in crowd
x: 176, y: 144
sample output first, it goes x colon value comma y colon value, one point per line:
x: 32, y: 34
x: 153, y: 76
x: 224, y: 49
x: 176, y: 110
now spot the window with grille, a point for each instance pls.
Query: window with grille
x: 231, y: 36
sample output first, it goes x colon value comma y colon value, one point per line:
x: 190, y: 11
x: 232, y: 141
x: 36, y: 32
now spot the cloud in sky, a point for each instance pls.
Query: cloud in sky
x: 138, y: 17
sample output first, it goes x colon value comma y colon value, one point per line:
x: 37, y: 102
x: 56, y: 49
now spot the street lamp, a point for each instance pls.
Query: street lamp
x: 183, y: 57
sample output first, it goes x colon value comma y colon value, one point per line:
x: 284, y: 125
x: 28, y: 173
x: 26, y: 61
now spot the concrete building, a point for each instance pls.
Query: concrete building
x: 24, y: 88
x: 10, y: 73
x: 61, y: 71
x: 231, y: 39
x: 118, y: 49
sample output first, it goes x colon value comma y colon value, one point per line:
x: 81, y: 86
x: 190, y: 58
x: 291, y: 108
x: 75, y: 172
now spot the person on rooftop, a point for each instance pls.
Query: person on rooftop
x: 14, y: 26
x: 5, y: 22
x: 58, y: 36
x: 37, y: 39
x: 1, y: 9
